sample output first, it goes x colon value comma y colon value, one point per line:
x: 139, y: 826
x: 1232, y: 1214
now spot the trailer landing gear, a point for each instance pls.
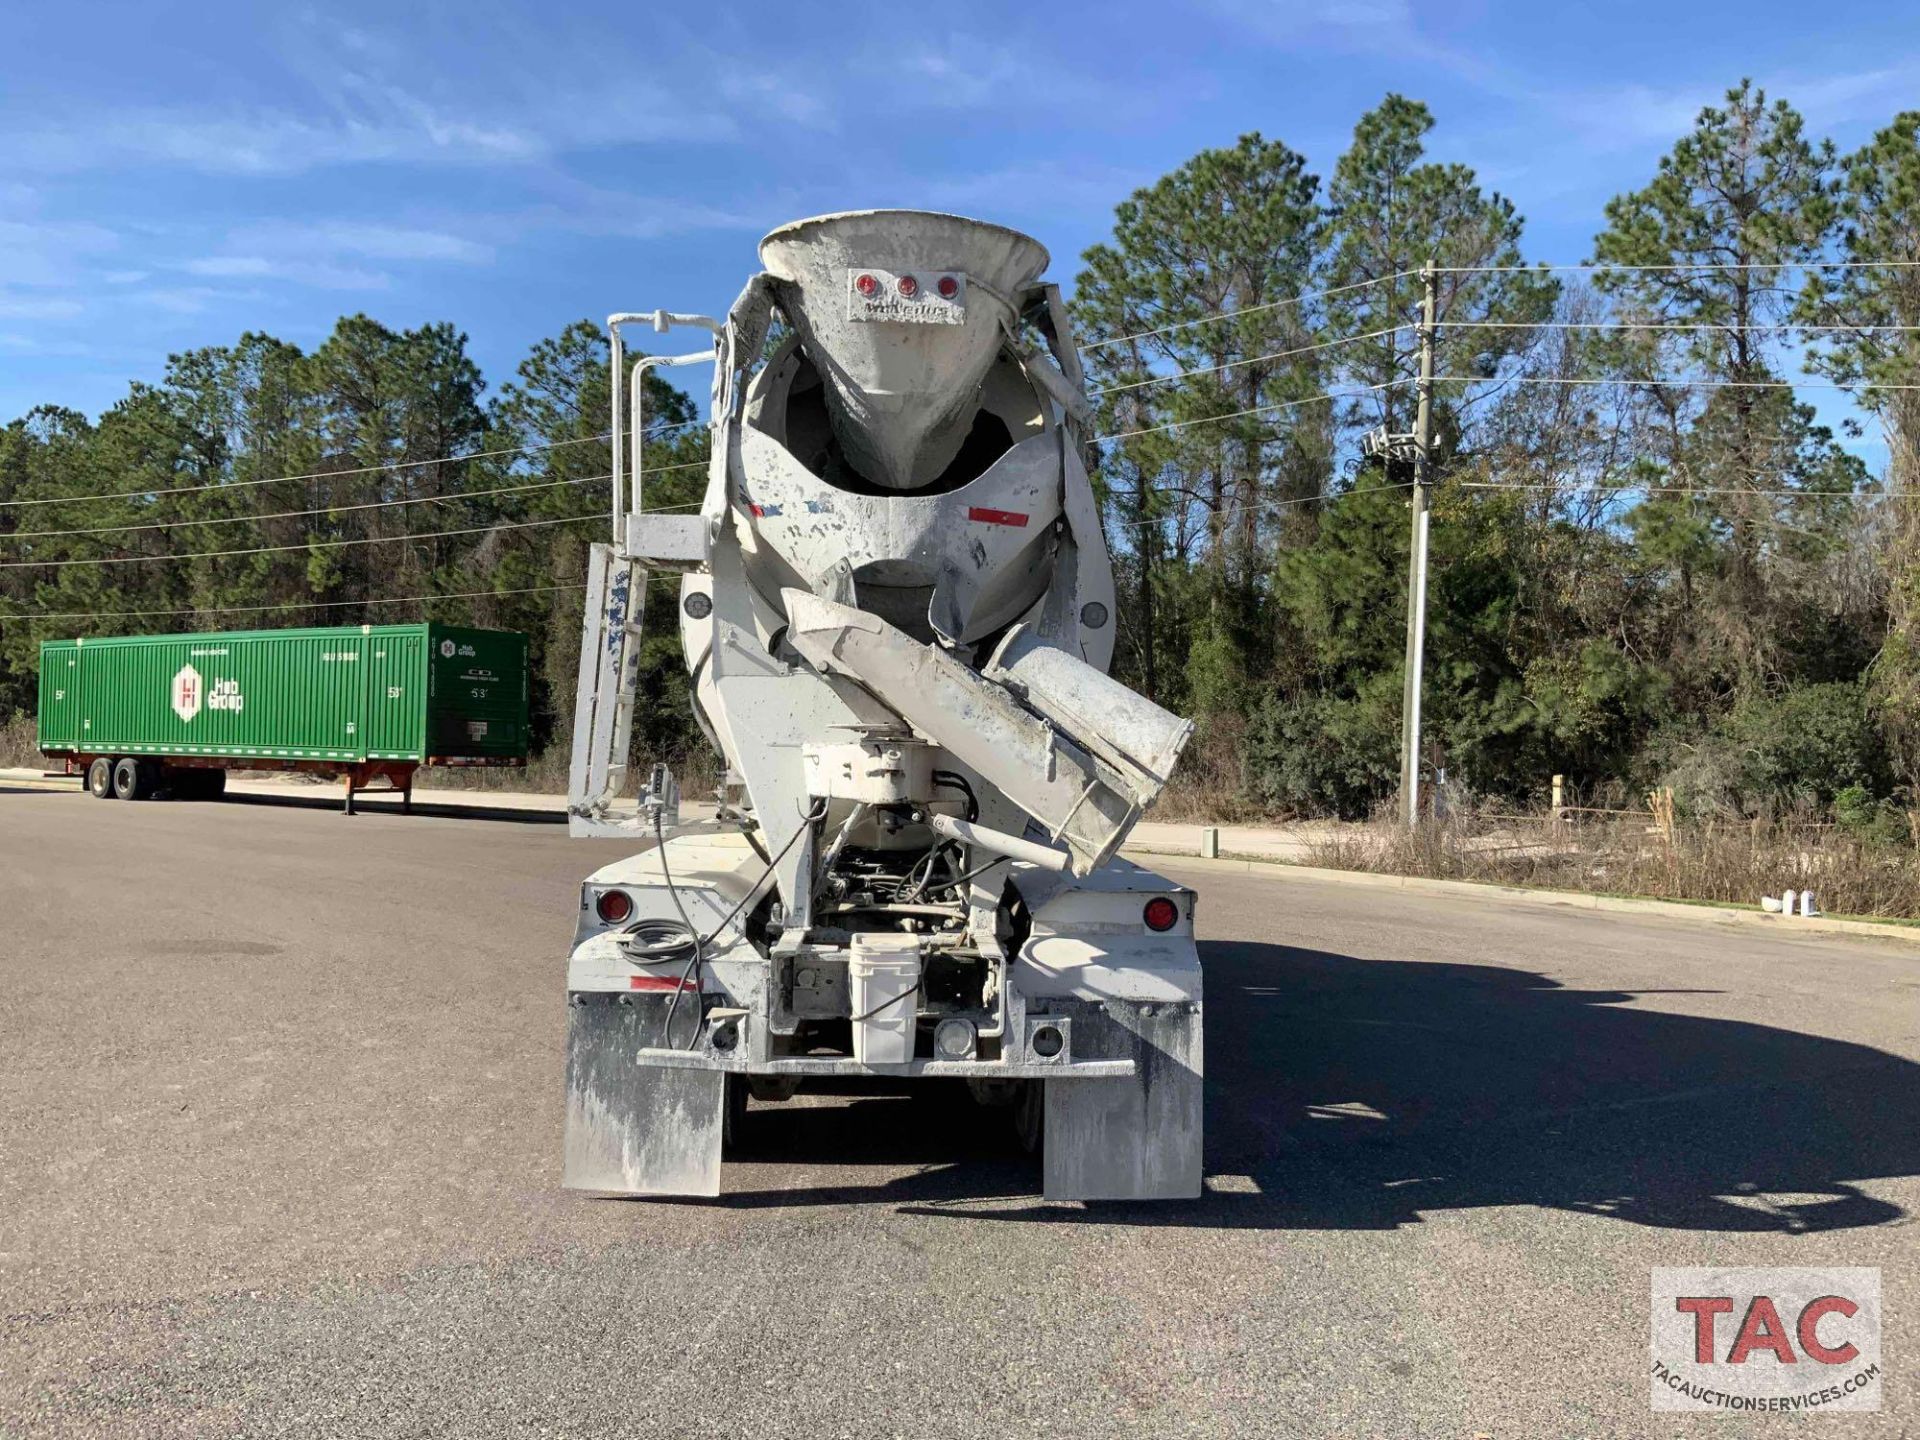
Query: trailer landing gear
x: 359, y: 779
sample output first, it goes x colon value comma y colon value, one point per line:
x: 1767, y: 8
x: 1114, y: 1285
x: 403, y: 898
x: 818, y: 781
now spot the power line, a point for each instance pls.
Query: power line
x: 541, y: 445
x: 292, y: 514
x: 1299, y: 299
x: 662, y: 579
x: 1783, y: 326
x: 1253, y: 410
x: 308, y: 545
x: 1253, y: 360
x: 1323, y: 498
x: 1676, y: 380
x: 290, y: 605
x: 312, y: 475
x: 1705, y: 267
x: 1628, y: 490
x: 336, y: 509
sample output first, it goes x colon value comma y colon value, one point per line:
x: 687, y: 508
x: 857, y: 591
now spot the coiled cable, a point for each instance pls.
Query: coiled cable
x: 662, y: 939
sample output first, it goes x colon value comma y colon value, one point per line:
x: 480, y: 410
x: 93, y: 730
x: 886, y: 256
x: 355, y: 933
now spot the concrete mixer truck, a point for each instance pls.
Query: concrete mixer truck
x: 897, y: 609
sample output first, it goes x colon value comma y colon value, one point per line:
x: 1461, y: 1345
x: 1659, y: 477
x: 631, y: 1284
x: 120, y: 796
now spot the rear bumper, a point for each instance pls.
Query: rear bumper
x: 839, y: 1066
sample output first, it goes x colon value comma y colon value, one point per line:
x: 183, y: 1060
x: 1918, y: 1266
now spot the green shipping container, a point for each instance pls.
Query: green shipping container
x: 298, y: 699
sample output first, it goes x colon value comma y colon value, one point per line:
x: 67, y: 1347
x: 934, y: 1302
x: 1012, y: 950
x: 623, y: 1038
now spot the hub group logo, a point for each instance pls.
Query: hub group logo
x: 1766, y: 1341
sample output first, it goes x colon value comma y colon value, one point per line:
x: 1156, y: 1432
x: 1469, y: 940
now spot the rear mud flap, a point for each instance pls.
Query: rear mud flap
x: 1133, y: 1139
x: 634, y: 1129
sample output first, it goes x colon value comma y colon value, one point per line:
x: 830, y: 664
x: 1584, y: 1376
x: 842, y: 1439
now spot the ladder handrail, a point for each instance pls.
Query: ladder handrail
x: 662, y: 321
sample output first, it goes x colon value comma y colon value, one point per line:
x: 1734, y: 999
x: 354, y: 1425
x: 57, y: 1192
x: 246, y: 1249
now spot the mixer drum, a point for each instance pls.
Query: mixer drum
x: 903, y: 369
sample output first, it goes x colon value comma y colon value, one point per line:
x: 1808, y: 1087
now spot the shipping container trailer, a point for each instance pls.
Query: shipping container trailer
x: 151, y: 715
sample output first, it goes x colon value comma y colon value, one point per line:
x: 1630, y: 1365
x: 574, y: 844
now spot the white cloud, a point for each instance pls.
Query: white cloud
x: 13, y: 343
x: 1366, y: 24
x: 16, y: 306
x: 191, y: 299
x: 372, y: 239
x: 317, y: 275
x: 801, y: 103
x: 359, y: 99
x: 49, y: 252
x: 257, y: 143
x: 320, y: 256
x: 1038, y: 190
x: 964, y: 72
x: 1634, y: 115
x: 581, y: 208
x: 386, y: 242
x: 229, y: 266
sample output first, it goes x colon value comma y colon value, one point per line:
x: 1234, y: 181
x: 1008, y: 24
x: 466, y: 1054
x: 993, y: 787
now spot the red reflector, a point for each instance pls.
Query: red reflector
x: 613, y: 906
x: 998, y: 517
x: 949, y: 287
x: 867, y: 286
x: 909, y: 286
x: 1161, y: 913
x: 659, y: 982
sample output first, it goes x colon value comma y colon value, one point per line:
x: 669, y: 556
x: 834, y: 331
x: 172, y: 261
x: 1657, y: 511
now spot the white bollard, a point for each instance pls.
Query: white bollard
x: 1209, y: 843
x: 1787, y: 901
x: 1807, y: 908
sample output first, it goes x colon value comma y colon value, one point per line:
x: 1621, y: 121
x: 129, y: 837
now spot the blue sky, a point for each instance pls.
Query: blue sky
x: 173, y: 176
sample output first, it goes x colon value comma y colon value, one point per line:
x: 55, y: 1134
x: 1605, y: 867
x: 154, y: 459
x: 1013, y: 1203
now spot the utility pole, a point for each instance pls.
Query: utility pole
x: 1417, y: 568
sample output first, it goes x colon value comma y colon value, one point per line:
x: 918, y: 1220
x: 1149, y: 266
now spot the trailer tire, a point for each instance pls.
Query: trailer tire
x: 100, y: 778
x: 132, y: 779
x: 213, y: 784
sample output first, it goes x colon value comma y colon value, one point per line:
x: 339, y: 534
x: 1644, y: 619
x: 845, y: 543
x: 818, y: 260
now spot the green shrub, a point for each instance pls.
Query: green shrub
x: 1808, y: 745
x: 1877, y: 821
x: 1323, y: 755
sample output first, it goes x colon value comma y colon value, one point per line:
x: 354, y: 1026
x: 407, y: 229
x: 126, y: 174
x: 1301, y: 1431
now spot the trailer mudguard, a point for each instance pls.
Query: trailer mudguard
x: 636, y: 1129
x: 1139, y: 1137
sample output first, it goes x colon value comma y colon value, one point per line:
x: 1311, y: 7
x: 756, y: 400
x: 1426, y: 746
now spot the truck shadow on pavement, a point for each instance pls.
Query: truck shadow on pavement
x: 380, y: 802
x: 1355, y: 1094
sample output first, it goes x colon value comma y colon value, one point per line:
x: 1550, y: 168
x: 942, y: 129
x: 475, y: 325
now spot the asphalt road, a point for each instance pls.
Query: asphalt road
x: 280, y: 1106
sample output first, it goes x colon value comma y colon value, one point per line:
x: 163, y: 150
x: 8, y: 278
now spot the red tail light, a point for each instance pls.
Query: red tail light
x: 613, y: 906
x: 909, y: 286
x: 948, y: 287
x: 1161, y: 913
x: 867, y: 286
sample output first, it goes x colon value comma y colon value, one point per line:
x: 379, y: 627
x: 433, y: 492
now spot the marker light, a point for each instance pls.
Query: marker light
x: 1161, y: 913
x: 908, y: 286
x: 867, y: 286
x: 613, y: 906
x: 948, y: 287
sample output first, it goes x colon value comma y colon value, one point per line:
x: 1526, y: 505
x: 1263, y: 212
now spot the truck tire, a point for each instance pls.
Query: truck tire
x: 733, y: 1119
x: 132, y: 779
x: 1030, y: 1116
x: 100, y: 779
x: 213, y: 784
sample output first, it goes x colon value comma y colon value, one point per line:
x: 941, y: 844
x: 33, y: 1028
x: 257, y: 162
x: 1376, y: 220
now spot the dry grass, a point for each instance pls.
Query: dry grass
x: 1207, y: 787
x: 546, y: 774
x: 1726, y: 862
x: 20, y: 745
